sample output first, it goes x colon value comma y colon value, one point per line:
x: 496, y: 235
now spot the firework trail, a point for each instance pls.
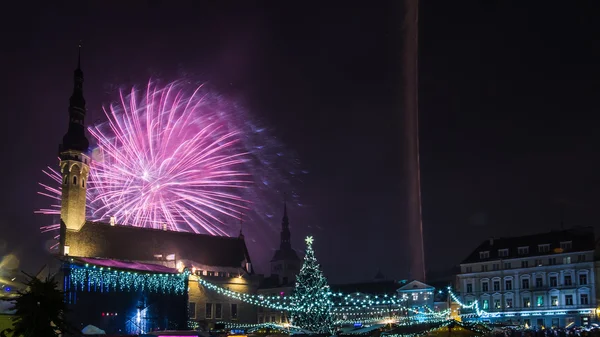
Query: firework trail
x: 190, y: 161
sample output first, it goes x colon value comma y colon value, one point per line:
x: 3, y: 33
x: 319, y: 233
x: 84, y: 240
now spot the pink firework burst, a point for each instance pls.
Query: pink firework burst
x: 165, y: 157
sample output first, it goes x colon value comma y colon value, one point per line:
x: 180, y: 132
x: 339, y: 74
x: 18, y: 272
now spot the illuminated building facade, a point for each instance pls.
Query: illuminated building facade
x: 537, y: 280
x: 129, y: 271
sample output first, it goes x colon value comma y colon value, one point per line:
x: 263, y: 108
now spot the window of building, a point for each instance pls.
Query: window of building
x: 523, y: 250
x: 192, y: 309
x: 486, y: 304
x: 539, y: 282
x: 552, y: 261
x: 74, y: 180
x: 555, y: 322
x: 524, y: 264
x: 65, y: 180
x: 210, y: 273
x: 496, y: 285
x: 540, y: 322
x: 581, y: 258
x: 502, y: 252
x: 583, y: 279
x: 507, y: 265
x: 209, y: 308
x: 583, y: 298
x: 568, y: 299
x: 509, y: 302
x: 568, y: 280
x: 222, y: 274
x: 484, y: 255
x: 539, y: 301
x: 525, y: 283
x: 272, y: 319
x: 545, y: 248
x: 496, y: 266
x: 538, y: 262
x: 82, y: 182
x: 415, y: 296
x: 553, y: 281
x: 508, y: 285
x: 497, y: 304
x: 554, y: 301
x: 484, y: 267
x: 469, y: 269
x: 218, y: 311
x: 485, y: 287
x: 261, y: 319
x: 566, y: 260
x: 566, y: 245
x: 469, y: 290
x: 526, y: 302
x: 234, y: 312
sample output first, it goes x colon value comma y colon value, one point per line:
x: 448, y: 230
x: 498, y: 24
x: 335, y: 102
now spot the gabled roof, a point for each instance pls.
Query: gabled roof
x: 582, y: 239
x: 101, y: 240
x: 369, y: 288
x: 415, y: 285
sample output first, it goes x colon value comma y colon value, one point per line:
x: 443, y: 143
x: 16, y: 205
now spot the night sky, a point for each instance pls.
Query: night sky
x: 508, y: 108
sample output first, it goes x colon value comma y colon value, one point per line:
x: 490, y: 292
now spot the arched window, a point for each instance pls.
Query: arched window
x: 83, y: 183
x: 74, y: 180
x: 65, y: 181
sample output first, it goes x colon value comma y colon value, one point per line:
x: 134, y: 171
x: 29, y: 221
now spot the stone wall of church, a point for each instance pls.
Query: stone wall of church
x: 207, y: 307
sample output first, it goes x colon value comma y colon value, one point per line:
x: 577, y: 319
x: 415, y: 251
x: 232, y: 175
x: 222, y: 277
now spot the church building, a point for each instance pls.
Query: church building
x: 285, y: 265
x: 141, y: 279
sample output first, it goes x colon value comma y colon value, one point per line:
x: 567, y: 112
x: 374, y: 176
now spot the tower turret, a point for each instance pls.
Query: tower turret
x: 74, y: 161
x: 285, y: 263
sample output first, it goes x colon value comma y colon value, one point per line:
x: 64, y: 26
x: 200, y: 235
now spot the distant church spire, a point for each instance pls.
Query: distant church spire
x: 285, y: 228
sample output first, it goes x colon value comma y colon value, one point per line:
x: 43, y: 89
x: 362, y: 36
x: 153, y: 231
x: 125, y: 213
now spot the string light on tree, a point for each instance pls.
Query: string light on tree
x: 312, y: 295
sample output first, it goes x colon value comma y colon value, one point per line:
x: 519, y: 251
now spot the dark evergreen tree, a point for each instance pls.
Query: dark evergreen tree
x: 312, y: 296
x: 40, y: 310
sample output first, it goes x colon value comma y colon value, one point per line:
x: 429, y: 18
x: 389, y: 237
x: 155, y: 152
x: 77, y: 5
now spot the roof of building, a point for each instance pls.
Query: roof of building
x: 582, y: 239
x: 126, y: 265
x: 101, y: 240
x: 376, y: 287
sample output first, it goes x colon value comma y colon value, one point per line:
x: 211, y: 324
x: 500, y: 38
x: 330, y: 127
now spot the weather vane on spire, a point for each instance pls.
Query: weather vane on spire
x: 79, y: 54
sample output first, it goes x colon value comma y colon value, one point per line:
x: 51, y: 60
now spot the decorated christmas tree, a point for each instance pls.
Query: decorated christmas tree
x: 312, y: 296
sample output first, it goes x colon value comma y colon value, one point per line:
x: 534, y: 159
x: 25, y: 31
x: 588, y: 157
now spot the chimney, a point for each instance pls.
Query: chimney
x: 491, y: 241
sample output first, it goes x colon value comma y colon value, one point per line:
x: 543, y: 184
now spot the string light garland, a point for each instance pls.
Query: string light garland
x: 94, y: 278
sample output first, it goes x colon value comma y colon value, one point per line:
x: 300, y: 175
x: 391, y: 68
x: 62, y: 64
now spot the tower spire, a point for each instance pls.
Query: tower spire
x: 241, y: 228
x: 285, y: 227
x: 75, y: 138
x: 79, y: 56
x: 74, y: 163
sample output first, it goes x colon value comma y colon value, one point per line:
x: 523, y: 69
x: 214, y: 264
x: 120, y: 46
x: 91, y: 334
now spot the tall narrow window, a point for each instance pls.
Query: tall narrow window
x: 66, y: 180
x: 218, y: 311
x: 192, y: 310
x: 83, y: 183
x: 74, y: 180
x: 209, y: 308
x: 234, y: 312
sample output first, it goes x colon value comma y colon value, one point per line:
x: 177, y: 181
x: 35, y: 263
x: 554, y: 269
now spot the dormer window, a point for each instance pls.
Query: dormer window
x: 484, y: 255
x: 545, y: 248
x: 566, y: 245
x: 523, y: 250
x: 503, y: 252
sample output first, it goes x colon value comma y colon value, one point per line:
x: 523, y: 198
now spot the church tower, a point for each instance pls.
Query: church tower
x: 285, y: 263
x: 74, y: 161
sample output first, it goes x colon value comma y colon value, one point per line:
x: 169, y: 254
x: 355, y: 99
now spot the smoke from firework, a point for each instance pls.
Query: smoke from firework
x: 185, y: 159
